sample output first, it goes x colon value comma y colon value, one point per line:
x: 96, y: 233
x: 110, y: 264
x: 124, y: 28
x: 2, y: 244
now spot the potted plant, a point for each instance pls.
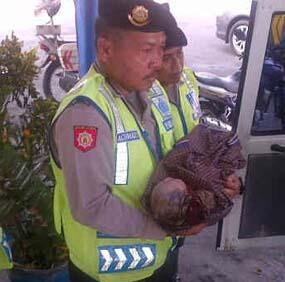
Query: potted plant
x: 26, y: 179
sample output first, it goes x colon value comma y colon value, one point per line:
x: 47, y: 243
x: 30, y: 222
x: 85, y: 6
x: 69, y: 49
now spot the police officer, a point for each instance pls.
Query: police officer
x: 106, y: 139
x: 180, y: 84
x: 181, y: 87
x: 5, y: 256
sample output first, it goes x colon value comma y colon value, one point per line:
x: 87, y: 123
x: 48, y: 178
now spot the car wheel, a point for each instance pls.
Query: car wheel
x: 237, y: 36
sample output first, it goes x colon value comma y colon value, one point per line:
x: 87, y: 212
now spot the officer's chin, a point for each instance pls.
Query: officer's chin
x: 176, y: 77
x: 147, y: 84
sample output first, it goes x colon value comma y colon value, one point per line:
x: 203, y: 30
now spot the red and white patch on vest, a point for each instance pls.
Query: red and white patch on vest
x: 85, y: 138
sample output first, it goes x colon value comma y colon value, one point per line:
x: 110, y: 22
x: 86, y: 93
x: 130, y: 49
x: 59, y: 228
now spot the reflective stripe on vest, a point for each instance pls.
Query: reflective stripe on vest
x: 160, y: 102
x: 126, y: 258
x: 5, y: 252
x: 122, y: 158
x: 192, y: 97
x: 187, y: 112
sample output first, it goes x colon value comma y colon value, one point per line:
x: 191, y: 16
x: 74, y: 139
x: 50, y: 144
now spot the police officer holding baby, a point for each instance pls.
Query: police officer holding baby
x: 106, y: 139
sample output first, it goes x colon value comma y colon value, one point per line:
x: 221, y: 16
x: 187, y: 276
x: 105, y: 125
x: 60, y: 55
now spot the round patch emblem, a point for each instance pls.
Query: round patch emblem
x: 85, y: 139
x: 139, y: 16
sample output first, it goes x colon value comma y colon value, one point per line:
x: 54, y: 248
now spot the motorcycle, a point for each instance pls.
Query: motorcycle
x: 50, y: 41
x: 68, y: 57
x: 218, y: 95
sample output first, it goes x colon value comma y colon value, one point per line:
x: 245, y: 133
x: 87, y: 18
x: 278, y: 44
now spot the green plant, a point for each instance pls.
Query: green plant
x: 21, y: 71
x: 26, y: 179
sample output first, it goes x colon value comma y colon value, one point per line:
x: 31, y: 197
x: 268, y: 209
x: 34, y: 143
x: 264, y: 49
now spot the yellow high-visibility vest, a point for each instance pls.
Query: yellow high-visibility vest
x: 104, y: 257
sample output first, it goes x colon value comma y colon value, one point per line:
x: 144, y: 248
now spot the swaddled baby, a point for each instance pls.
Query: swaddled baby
x: 187, y: 186
x: 174, y: 205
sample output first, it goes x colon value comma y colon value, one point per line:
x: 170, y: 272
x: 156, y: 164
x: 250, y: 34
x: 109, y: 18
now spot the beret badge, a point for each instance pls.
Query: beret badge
x: 139, y: 16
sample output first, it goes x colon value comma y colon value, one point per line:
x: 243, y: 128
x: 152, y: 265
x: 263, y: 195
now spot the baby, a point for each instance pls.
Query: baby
x: 176, y: 206
x: 188, y: 186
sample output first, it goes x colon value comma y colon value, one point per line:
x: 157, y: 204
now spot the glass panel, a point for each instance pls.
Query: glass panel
x: 269, y: 117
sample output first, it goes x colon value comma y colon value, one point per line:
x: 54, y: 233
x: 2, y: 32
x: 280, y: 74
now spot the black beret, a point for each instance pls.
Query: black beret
x: 175, y: 37
x: 140, y: 15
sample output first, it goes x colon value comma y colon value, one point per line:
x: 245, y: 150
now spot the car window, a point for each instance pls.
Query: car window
x: 269, y: 116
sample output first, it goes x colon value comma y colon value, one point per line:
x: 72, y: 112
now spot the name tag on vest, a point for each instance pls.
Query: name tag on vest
x: 127, y: 136
x: 162, y: 106
x: 168, y: 124
x: 194, y: 102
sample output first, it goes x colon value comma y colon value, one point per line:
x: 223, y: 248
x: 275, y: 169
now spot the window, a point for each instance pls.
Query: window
x: 269, y: 116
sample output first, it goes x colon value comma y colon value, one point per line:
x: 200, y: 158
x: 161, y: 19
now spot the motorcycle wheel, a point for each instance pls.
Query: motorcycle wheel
x: 51, y: 84
x: 238, y: 44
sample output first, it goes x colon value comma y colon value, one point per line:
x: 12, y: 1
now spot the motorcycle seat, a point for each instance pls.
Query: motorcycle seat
x: 229, y: 83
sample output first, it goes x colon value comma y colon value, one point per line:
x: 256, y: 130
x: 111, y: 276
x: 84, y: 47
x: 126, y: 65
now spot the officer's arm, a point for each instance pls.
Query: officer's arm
x: 89, y: 176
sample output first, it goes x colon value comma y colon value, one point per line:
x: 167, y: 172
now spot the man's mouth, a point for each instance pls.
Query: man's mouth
x: 176, y: 76
x: 151, y: 76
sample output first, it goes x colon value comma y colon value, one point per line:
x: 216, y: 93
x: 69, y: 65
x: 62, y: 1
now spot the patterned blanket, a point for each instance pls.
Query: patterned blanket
x: 200, y: 163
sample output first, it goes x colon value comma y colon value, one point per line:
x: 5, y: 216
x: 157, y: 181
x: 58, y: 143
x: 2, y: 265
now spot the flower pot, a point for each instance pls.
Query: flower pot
x: 58, y: 274
x: 4, y: 276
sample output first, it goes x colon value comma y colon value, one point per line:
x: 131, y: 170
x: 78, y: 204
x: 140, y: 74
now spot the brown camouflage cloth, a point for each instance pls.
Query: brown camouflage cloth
x: 187, y: 187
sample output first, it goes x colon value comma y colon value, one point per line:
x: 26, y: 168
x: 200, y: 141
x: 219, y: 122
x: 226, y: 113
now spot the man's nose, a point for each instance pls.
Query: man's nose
x: 177, y: 64
x: 157, y: 60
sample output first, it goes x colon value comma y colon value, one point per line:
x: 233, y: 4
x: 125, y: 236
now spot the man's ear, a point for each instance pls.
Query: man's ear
x: 104, y: 49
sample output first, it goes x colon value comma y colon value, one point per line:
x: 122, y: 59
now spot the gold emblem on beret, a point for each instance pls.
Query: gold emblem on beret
x: 139, y: 16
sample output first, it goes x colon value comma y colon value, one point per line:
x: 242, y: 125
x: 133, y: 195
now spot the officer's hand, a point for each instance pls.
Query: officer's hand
x: 192, y: 231
x: 232, y: 186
